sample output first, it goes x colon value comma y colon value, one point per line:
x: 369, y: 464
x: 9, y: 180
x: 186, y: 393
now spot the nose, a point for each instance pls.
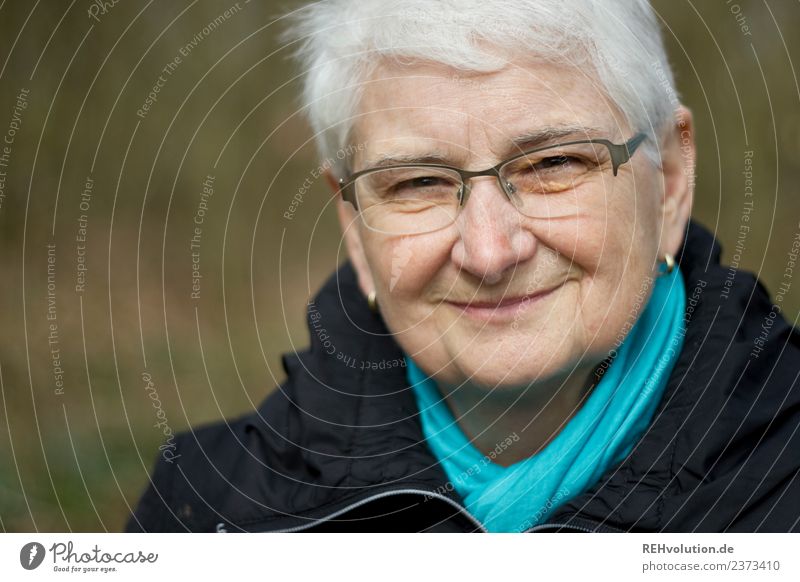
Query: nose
x: 492, y: 235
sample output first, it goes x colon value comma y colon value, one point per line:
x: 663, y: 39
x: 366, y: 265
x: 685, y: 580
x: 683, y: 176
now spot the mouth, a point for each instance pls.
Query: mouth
x: 505, y: 309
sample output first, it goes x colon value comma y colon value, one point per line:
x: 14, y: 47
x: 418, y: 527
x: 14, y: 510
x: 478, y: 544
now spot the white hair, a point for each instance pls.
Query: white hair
x: 617, y: 42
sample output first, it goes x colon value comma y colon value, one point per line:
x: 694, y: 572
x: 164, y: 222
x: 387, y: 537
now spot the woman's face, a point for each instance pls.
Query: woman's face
x: 498, y: 298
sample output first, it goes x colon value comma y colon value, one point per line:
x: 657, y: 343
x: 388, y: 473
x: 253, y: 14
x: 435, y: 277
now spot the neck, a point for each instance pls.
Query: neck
x: 530, y: 415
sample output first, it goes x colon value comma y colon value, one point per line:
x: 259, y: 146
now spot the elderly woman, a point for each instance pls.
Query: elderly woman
x: 530, y: 333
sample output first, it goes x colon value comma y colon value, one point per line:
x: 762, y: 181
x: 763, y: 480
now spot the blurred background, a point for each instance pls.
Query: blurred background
x: 101, y: 189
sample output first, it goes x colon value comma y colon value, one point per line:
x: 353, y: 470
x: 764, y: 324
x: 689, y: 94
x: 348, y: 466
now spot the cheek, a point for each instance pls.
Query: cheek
x: 620, y: 237
x: 581, y: 242
x: 404, y: 267
x: 628, y: 238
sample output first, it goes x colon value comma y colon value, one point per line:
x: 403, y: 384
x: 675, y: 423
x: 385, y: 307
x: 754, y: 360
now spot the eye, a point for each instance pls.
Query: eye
x: 555, y: 162
x: 422, y: 186
x: 421, y: 182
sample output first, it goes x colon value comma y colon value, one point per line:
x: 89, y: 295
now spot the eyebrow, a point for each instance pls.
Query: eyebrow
x: 397, y: 159
x: 527, y: 141
x: 546, y: 135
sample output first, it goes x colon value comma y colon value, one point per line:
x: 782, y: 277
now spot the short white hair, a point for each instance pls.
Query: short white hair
x: 618, y: 42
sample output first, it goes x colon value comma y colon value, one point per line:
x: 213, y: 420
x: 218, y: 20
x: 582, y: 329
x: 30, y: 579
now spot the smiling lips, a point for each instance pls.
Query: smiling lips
x: 502, y: 310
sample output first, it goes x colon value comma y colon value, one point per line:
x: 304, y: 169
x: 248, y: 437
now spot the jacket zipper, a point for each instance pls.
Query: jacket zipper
x: 542, y: 526
x: 357, y: 504
x: 439, y: 496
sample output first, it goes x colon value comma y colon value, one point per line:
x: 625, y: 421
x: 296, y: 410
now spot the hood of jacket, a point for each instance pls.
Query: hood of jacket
x: 338, y: 445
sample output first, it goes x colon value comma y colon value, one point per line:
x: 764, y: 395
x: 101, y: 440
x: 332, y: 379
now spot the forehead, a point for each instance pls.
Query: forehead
x: 427, y: 105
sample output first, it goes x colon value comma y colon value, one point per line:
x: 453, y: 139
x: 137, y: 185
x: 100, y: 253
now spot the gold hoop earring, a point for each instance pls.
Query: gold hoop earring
x: 372, y: 301
x: 669, y: 260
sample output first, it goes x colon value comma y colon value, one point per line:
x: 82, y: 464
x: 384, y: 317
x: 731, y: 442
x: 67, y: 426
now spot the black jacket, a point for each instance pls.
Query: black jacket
x: 339, y: 448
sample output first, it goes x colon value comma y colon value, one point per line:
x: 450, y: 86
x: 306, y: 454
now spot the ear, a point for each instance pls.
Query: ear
x: 678, y: 166
x: 352, y: 237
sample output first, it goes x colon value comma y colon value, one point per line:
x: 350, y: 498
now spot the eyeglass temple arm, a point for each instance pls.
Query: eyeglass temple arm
x: 346, y: 191
x: 621, y: 153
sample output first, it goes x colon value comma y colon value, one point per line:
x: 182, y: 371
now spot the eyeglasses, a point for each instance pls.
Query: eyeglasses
x: 547, y: 182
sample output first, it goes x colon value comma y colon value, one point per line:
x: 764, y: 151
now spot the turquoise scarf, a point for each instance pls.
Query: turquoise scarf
x: 598, y: 437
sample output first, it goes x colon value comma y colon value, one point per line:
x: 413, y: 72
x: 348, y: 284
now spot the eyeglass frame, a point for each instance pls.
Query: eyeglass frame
x: 620, y: 154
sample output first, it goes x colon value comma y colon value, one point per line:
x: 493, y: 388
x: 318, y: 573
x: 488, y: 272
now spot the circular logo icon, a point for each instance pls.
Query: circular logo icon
x: 31, y: 555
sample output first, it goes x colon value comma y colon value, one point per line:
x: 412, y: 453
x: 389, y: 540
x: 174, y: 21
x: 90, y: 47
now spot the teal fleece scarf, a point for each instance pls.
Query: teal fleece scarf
x: 597, y: 438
